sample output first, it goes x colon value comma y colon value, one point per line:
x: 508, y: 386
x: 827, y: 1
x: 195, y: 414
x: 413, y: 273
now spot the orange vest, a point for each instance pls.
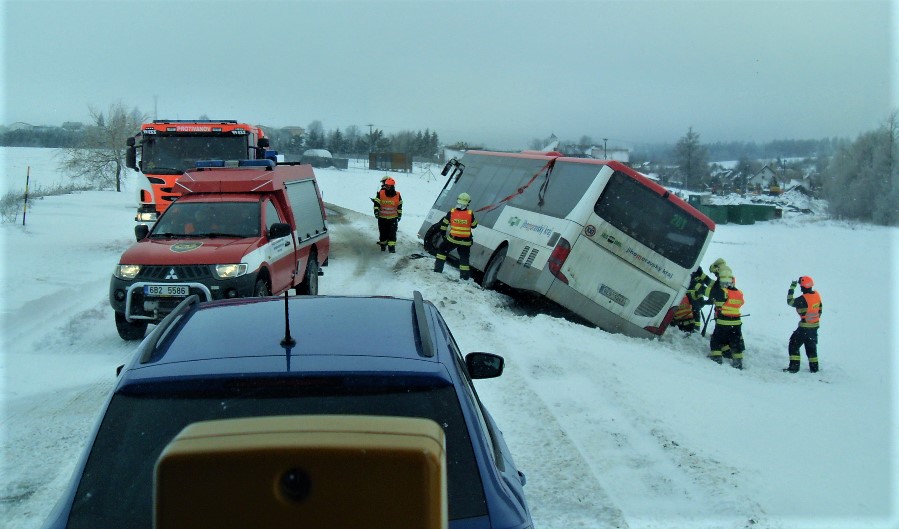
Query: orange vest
x: 389, y: 205
x: 460, y: 223
x: 730, y: 309
x: 813, y: 310
x: 684, y: 311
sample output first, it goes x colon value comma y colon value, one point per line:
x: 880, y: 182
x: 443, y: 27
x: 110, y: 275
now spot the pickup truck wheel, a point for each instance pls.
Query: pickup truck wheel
x: 261, y: 290
x: 309, y: 286
x: 489, y: 281
x: 130, y: 330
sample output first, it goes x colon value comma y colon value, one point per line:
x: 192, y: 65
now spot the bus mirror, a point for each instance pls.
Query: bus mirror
x: 278, y: 230
x: 131, y: 156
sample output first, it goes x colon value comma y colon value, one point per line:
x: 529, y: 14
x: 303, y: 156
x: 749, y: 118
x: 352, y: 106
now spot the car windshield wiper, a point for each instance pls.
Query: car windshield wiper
x: 223, y: 234
x: 163, y: 170
x: 169, y: 235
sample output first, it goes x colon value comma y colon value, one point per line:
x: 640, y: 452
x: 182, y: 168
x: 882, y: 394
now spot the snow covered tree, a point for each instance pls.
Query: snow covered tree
x: 99, y: 158
x: 862, y: 180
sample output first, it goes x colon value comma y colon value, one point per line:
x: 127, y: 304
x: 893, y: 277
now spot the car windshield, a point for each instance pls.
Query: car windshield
x: 202, y: 219
x: 116, y: 486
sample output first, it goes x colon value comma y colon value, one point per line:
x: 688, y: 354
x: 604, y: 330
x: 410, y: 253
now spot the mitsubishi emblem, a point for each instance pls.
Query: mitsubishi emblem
x: 172, y: 274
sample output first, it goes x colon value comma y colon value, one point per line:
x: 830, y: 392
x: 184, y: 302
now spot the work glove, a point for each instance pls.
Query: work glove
x: 793, y: 284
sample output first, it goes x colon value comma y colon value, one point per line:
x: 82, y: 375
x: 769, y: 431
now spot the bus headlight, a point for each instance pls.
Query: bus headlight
x: 230, y: 271
x: 126, y: 271
x: 146, y: 216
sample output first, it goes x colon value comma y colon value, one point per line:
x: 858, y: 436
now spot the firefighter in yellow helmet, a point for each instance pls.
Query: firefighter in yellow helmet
x: 388, y: 206
x: 809, y: 307
x: 728, y: 333
x: 687, y: 315
x: 457, y: 224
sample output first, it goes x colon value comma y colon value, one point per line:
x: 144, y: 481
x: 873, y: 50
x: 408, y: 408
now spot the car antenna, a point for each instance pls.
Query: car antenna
x: 288, y: 340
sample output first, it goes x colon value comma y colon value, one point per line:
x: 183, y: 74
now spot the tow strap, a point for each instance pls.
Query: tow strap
x: 546, y: 167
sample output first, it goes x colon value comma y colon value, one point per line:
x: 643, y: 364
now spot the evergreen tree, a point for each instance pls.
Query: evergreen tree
x: 692, y: 159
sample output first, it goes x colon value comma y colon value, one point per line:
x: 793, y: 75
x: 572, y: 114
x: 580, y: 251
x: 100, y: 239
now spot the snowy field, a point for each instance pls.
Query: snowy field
x: 611, y: 431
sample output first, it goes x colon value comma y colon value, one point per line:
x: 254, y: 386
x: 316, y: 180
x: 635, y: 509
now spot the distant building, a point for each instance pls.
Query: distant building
x: 618, y: 154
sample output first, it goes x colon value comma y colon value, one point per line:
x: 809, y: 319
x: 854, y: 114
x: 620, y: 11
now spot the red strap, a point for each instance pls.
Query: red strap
x: 520, y: 190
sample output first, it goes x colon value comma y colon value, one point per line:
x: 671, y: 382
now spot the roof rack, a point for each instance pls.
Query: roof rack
x: 149, y: 347
x: 421, y: 320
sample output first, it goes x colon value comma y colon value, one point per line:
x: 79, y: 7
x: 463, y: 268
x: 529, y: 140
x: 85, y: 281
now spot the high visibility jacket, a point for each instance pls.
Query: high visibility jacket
x: 684, y: 311
x: 727, y: 306
x: 809, y: 307
x: 458, y: 224
x: 387, y: 207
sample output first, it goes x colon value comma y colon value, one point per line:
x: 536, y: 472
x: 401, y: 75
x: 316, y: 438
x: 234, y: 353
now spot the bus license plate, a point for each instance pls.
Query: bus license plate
x: 166, y: 291
x: 613, y: 295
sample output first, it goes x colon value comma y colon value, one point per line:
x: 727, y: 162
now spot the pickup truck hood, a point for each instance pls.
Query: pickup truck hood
x: 220, y: 250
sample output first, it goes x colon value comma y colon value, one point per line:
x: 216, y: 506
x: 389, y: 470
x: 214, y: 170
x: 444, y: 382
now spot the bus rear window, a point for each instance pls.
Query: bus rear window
x: 652, y: 220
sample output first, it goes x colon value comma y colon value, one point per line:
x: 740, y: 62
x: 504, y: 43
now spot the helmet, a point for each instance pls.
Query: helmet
x: 384, y: 178
x: 464, y: 198
x: 716, y: 266
x: 806, y: 282
x: 389, y: 182
x: 728, y: 281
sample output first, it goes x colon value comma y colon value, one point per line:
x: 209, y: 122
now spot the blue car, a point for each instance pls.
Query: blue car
x: 304, y: 355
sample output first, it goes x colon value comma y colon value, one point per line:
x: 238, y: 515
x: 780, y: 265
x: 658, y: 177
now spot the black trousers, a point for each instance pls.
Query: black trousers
x: 807, y: 336
x: 464, y: 252
x: 387, y: 231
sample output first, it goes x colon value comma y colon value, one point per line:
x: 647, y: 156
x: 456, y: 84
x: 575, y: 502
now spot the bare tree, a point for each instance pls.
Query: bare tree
x: 100, y: 158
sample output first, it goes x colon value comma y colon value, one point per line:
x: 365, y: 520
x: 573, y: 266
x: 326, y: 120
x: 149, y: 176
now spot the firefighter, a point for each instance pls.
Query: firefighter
x: 699, y: 283
x: 388, y: 205
x: 728, y: 334
x: 457, y: 224
x: 809, y: 307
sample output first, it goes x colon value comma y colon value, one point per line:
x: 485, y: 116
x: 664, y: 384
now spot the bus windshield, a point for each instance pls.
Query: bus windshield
x: 652, y: 220
x: 182, y: 152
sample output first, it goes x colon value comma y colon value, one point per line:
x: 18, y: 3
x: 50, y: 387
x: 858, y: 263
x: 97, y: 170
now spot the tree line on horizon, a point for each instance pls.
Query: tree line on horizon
x: 860, y: 178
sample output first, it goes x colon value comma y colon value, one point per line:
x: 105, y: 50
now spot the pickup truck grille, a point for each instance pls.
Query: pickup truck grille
x: 175, y: 273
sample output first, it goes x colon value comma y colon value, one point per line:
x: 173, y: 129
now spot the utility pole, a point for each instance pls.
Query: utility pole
x: 605, y: 150
x: 370, y: 137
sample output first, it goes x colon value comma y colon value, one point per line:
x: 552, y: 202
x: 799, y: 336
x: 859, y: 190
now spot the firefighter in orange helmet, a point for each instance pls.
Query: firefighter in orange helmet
x: 388, y: 205
x: 457, y: 224
x: 809, y: 307
x: 728, y: 333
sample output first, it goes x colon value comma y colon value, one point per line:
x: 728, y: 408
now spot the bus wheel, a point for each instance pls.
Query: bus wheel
x: 433, y: 238
x: 489, y: 280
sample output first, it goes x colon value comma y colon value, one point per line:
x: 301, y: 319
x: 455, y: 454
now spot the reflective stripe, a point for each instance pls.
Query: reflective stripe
x: 460, y: 223
x: 812, y: 313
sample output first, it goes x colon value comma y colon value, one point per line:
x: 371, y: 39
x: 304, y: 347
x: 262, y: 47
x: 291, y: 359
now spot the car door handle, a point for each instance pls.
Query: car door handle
x: 522, y: 478
x: 286, y: 244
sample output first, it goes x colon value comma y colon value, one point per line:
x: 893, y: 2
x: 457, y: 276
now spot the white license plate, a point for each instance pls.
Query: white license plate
x: 166, y: 291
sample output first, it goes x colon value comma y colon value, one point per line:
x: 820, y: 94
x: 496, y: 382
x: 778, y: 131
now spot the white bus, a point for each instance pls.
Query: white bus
x: 594, y: 236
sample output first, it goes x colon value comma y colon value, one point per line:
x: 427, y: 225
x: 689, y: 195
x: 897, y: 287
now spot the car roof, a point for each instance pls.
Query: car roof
x: 331, y: 334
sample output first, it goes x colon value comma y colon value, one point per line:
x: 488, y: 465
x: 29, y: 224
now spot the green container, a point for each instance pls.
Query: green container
x: 761, y: 212
x: 740, y: 214
x: 718, y: 214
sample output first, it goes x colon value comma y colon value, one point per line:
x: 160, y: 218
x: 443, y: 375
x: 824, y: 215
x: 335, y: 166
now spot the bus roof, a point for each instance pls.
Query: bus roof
x: 554, y: 157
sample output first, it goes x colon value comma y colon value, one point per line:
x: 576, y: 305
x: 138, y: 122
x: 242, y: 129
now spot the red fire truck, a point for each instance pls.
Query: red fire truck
x: 170, y: 147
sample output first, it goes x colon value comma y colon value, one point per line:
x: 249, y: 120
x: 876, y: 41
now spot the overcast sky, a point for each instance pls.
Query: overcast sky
x: 500, y: 73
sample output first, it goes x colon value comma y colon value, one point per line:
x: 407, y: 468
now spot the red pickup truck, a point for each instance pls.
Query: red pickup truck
x: 248, y: 228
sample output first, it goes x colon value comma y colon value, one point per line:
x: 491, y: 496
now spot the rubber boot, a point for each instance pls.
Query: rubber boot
x: 793, y: 367
x: 438, y: 265
x: 464, y: 275
x: 813, y: 365
x: 715, y: 358
x: 391, y: 249
x: 737, y: 363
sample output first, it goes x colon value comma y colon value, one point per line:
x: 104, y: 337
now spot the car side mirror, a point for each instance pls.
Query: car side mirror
x: 278, y: 230
x: 484, y: 365
x: 141, y: 231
